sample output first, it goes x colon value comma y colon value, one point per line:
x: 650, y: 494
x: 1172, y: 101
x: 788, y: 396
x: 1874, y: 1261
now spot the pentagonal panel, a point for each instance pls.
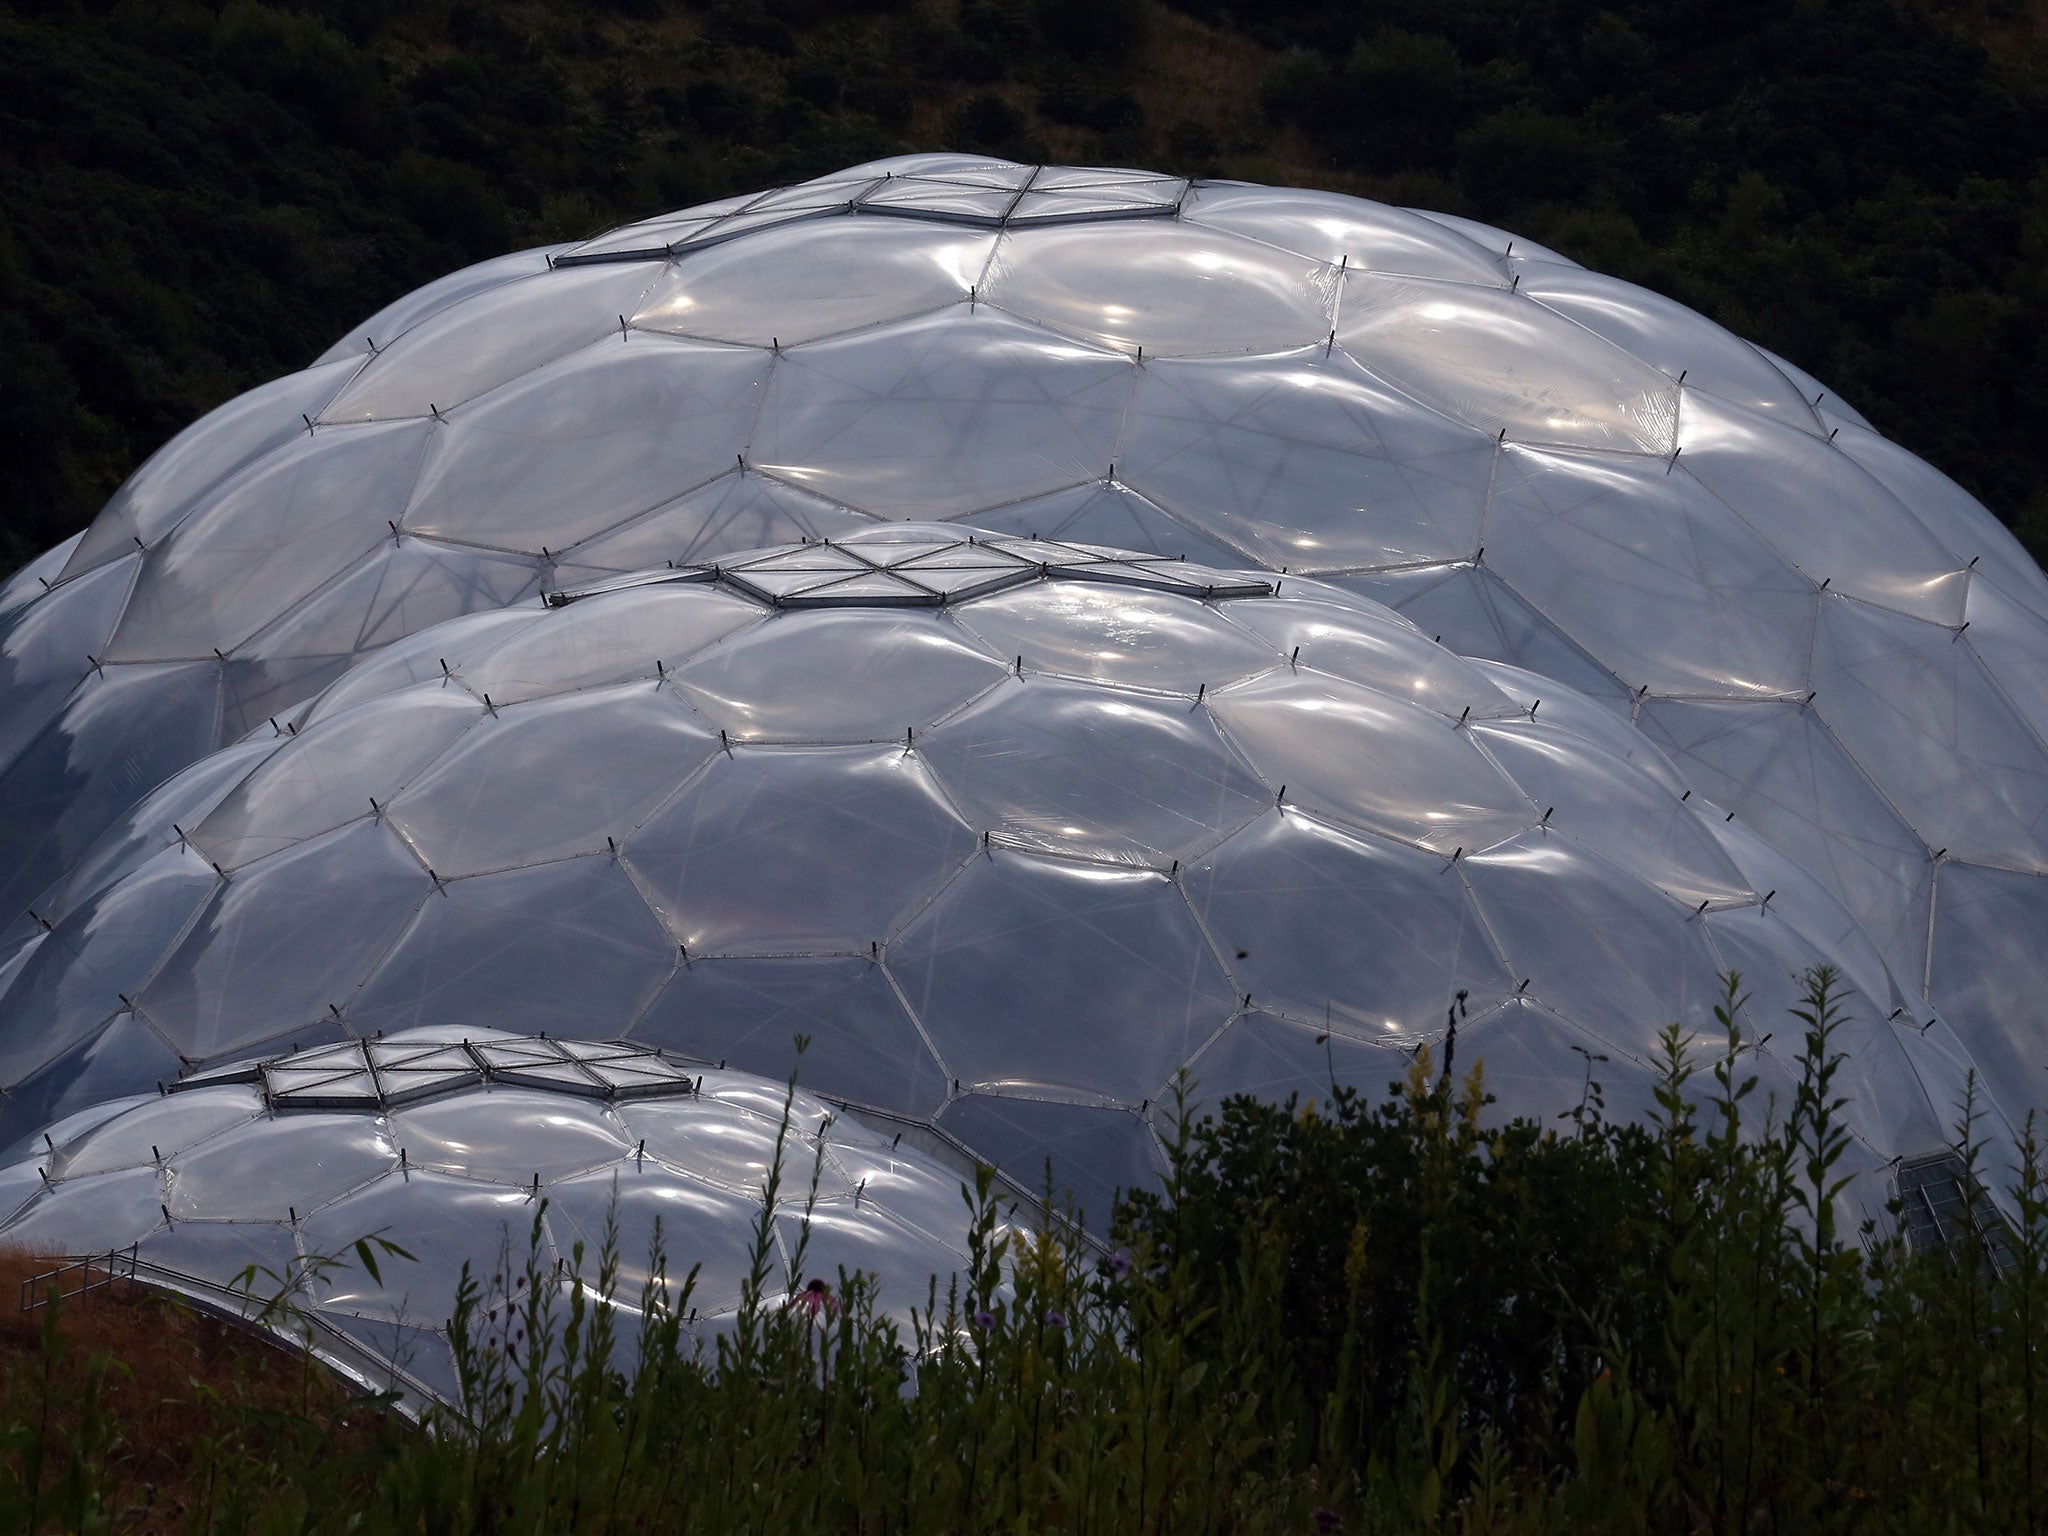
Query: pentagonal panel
x: 1797, y: 900
x: 106, y: 1214
x: 1370, y: 758
x: 787, y: 850
x: 1037, y: 973
x: 735, y: 1152
x: 1889, y: 1102
x: 749, y: 1013
x: 478, y: 809
x: 522, y: 950
x: 1649, y: 573
x: 841, y: 1238
x: 257, y: 692
x: 1497, y: 360
x: 1516, y: 253
x: 1538, y: 1067
x: 1362, y: 937
x: 920, y: 1195
x: 1170, y: 288
x: 2009, y: 638
x: 805, y: 281
x: 34, y: 579
x: 1956, y: 518
x: 403, y: 586
x: 1306, y: 462
x: 588, y: 442
x: 118, y: 1059
x: 836, y: 676
x: 400, y: 316
x: 1069, y: 768
x: 938, y: 416
x: 179, y: 475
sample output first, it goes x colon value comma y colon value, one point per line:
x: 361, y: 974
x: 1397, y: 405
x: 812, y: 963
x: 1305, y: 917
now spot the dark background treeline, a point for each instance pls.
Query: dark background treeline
x: 195, y: 197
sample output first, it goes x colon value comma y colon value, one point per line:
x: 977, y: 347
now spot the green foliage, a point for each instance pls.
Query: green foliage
x: 1361, y: 1315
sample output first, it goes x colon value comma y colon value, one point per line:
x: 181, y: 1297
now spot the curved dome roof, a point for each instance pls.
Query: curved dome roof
x: 1015, y: 830
x: 1542, y: 467
x: 447, y: 1143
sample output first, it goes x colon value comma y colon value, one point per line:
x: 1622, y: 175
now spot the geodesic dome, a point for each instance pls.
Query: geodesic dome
x: 449, y: 1146
x: 1542, y: 467
x: 1015, y: 831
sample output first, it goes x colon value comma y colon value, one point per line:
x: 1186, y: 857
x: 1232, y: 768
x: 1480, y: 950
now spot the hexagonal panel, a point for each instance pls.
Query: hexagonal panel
x: 1038, y: 973
x: 837, y: 676
x: 1306, y: 461
x: 478, y: 810
x: 1171, y: 288
x: 1370, y: 758
x: 522, y: 950
x: 748, y: 1013
x: 588, y: 442
x: 936, y: 416
x: 1065, y: 767
x: 806, y: 281
x: 1357, y: 936
x: 788, y: 850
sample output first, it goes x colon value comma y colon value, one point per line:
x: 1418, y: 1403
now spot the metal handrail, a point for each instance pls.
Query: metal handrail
x: 116, y: 1264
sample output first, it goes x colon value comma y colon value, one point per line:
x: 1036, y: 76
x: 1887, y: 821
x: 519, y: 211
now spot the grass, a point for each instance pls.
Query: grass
x: 1375, y: 1313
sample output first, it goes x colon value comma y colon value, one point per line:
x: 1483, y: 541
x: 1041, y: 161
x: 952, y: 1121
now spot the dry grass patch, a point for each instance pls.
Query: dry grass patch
x: 152, y: 1403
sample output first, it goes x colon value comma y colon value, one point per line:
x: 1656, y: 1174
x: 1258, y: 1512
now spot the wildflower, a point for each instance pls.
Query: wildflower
x: 984, y: 1319
x: 815, y: 1300
x: 1119, y: 1262
x: 1326, y: 1521
x: 1055, y: 1319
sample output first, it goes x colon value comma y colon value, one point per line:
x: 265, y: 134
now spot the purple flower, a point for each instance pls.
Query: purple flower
x: 1327, y: 1520
x: 814, y: 1301
x: 1055, y: 1319
x: 1119, y: 1262
x: 984, y: 1319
